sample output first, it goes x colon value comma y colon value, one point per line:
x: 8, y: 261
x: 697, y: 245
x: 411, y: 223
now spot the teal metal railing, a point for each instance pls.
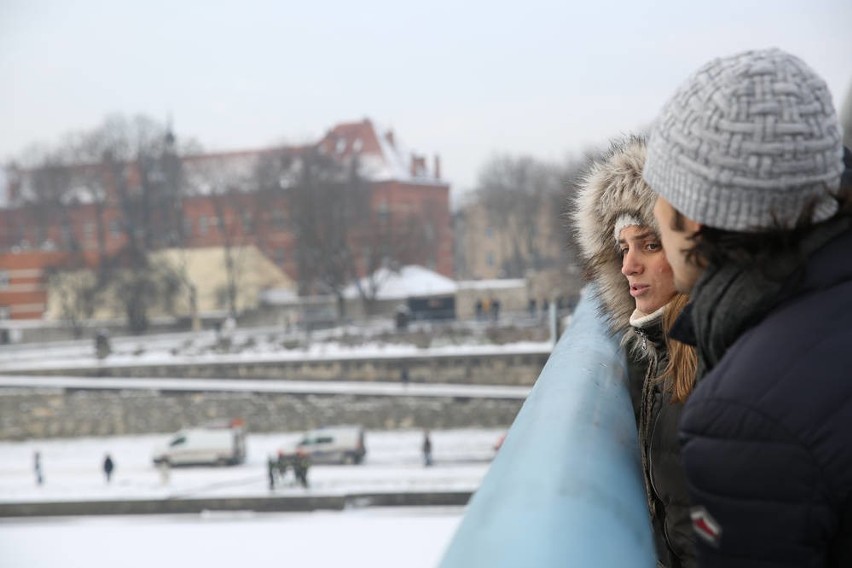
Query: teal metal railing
x: 565, y: 488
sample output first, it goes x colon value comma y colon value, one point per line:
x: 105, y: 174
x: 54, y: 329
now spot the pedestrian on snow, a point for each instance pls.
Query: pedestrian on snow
x: 165, y: 472
x: 109, y: 467
x: 301, y: 464
x: 479, y: 307
x: 747, y: 160
x: 39, y: 475
x: 271, y: 471
x: 427, y: 449
x: 620, y: 246
x: 495, y: 309
x: 102, y: 344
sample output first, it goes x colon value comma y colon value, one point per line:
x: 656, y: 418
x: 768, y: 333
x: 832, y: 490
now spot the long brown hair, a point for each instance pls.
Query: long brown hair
x: 679, y: 375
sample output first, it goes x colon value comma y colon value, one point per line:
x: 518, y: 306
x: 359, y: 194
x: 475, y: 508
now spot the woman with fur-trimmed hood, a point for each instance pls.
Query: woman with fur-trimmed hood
x: 620, y: 246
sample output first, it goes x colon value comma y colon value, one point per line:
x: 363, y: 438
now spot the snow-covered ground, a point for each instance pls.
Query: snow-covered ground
x: 72, y: 468
x: 378, y: 538
x: 374, y: 538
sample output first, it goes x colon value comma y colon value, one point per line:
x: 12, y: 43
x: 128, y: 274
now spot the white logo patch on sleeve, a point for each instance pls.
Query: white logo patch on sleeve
x: 705, y: 526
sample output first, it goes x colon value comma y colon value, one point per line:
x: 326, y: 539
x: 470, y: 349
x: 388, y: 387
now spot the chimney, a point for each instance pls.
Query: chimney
x: 389, y: 138
x: 418, y: 165
x: 437, y: 166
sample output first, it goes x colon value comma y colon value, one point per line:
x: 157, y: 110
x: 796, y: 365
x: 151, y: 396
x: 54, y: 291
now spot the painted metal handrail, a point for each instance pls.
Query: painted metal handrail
x: 565, y: 488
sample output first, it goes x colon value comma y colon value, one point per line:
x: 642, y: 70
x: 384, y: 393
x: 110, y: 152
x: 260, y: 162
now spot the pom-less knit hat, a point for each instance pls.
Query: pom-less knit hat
x: 748, y: 141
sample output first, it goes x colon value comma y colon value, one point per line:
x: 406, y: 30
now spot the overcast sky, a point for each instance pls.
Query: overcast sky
x: 462, y: 79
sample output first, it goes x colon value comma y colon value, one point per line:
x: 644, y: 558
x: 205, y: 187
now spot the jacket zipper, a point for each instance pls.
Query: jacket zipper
x: 654, y: 487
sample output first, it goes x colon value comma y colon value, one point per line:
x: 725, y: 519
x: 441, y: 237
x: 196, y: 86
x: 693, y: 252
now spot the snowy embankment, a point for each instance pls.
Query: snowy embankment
x: 269, y: 344
x: 82, y: 357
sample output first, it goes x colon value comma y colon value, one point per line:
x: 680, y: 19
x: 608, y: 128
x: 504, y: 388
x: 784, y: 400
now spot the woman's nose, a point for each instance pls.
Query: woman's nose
x: 630, y: 263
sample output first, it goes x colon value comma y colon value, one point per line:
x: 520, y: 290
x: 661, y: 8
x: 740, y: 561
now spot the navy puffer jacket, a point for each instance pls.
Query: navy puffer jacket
x: 767, y: 434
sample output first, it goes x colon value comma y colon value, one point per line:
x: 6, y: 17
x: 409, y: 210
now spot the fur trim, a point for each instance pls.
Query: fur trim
x: 612, y: 187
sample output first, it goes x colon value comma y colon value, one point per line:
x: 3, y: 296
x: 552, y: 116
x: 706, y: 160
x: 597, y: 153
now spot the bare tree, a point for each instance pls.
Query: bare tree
x: 140, y: 165
x: 226, y: 185
x: 328, y: 203
x: 516, y: 193
x: 391, y: 240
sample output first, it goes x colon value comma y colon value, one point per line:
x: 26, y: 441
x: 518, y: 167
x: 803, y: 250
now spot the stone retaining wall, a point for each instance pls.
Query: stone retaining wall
x: 49, y: 413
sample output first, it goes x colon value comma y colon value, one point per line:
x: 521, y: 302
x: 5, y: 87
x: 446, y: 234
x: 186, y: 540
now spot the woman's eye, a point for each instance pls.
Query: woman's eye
x: 653, y: 246
x: 623, y: 250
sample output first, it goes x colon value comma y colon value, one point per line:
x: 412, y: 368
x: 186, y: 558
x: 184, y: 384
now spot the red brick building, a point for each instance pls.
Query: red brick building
x: 86, y: 208
x: 23, y: 283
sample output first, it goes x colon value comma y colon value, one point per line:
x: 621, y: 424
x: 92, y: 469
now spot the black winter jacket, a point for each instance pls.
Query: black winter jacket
x: 657, y: 420
x: 767, y: 433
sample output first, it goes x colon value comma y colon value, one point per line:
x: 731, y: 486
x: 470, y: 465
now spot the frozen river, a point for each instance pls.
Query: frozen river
x: 72, y: 467
x: 374, y: 537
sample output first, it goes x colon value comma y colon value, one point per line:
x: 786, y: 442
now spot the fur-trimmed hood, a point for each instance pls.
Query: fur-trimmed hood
x: 612, y: 186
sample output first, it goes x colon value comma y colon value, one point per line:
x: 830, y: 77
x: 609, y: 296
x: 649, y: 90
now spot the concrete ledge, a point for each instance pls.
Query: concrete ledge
x: 258, y: 504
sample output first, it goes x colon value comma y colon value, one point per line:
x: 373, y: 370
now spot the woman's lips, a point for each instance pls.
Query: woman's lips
x: 638, y: 289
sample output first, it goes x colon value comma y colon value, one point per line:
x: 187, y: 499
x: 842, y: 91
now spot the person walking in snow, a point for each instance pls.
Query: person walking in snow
x: 109, y: 467
x: 37, y: 466
x: 427, y: 449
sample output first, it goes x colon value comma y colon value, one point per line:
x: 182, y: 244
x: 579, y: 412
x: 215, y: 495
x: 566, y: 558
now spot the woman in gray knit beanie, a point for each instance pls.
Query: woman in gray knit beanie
x: 620, y: 246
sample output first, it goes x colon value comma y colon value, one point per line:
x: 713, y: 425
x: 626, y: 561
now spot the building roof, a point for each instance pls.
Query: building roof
x: 409, y: 282
x: 383, y: 156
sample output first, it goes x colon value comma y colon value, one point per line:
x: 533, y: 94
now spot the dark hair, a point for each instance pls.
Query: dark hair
x: 760, y: 250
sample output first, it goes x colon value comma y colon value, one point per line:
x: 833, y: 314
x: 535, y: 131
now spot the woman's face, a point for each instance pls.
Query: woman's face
x: 646, y: 268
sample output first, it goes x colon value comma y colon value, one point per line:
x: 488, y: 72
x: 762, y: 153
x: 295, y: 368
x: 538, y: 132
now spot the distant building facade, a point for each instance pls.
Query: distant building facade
x: 487, y: 248
x: 210, y: 200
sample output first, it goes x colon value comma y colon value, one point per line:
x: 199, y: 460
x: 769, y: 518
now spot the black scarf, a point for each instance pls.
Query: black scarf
x: 730, y: 299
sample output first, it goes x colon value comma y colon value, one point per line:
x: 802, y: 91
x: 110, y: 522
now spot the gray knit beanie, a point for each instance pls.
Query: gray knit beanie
x: 748, y: 141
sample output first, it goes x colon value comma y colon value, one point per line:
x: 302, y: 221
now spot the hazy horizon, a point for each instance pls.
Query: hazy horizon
x: 463, y: 81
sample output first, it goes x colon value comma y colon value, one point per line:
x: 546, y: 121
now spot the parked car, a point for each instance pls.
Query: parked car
x: 214, y: 444
x: 330, y: 445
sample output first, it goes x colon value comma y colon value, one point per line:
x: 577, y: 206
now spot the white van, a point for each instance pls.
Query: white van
x: 331, y: 445
x: 217, y: 444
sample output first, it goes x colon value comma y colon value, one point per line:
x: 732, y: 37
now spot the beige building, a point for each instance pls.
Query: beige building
x: 489, y: 248
x: 201, y: 277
